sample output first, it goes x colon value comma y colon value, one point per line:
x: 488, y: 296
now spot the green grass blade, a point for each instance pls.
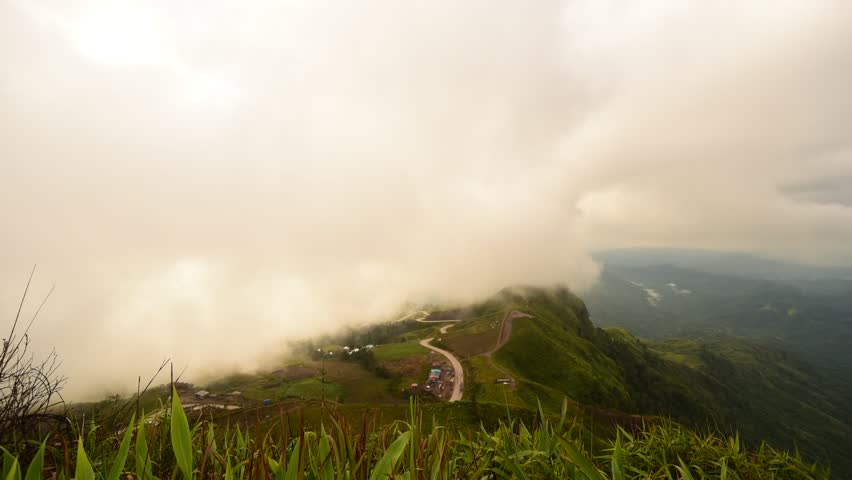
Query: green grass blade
x: 617, y: 459
x: 141, y: 450
x: 386, y: 464
x: 121, y: 458
x: 326, y: 463
x: 241, y: 443
x: 580, y: 460
x: 229, y: 473
x: 142, y: 462
x: 684, y: 470
x: 13, y: 472
x: 181, y: 438
x: 8, y: 461
x: 34, y: 470
x: 295, y: 461
x: 84, y: 469
x: 276, y: 469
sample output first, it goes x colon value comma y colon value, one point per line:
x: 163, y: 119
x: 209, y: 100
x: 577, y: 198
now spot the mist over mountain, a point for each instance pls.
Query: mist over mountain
x: 301, y: 202
x: 613, y: 221
x: 667, y: 293
x: 738, y: 264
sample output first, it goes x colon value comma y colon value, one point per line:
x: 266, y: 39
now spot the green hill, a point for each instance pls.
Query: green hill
x: 724, y: 382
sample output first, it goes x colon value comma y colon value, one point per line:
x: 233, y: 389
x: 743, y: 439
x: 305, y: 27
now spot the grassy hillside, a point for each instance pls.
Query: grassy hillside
x: 730, y: 383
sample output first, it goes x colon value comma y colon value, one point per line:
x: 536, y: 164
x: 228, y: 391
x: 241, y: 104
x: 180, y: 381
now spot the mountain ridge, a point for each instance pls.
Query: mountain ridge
x: 727, y: 382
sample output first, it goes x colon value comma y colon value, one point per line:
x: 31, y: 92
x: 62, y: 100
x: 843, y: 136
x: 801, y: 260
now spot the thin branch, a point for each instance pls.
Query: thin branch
x: 21, y: 306
x: 36, y: 314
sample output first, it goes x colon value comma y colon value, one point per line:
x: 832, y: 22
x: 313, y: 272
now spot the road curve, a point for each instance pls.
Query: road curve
x: 458, y: 385
x: 423, y: 320
x: 502, y: 338
x: 444, y: 328
x: 422, y: 312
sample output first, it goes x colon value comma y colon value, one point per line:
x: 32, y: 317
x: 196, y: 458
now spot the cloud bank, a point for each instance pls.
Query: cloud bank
x: 204, y: 180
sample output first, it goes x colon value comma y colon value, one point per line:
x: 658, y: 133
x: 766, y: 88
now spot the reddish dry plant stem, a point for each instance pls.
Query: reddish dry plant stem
x: 206, y: 454
x: 66, y: 454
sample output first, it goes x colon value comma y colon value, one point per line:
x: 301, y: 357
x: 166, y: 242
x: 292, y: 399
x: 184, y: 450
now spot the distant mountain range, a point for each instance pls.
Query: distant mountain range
x: 659, y: 294
x: 727, y: 264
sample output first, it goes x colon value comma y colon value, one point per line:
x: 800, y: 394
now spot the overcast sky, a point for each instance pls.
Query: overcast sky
x: 201, y: 179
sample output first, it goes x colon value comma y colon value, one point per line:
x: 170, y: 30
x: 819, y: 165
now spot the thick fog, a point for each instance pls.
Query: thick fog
x: 205, y: 180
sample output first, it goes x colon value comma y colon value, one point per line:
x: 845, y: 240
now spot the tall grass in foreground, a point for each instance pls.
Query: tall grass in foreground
x: 169, y: 448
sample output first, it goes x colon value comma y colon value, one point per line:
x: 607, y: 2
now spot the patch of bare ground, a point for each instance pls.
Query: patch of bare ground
x: 466, y: 346
x: 407, y: 367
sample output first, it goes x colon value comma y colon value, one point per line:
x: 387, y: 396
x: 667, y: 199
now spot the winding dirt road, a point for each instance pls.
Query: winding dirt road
x: 458, y: 385
x: 505, y: 334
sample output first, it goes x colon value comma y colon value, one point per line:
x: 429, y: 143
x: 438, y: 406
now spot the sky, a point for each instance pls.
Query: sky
x: 207, y: 180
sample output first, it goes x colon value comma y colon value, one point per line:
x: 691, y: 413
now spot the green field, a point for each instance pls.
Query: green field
x: 396, y: 351
x: 312, y: 389
x: 344, y: 381
x: 480, y: 375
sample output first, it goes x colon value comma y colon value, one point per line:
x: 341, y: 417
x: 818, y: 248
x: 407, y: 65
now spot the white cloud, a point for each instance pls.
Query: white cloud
x: 203, y: 180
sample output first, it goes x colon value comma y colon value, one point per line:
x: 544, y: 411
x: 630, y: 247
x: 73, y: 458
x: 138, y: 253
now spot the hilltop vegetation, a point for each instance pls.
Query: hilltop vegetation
x: 547, y: 447
x: 726, y: 382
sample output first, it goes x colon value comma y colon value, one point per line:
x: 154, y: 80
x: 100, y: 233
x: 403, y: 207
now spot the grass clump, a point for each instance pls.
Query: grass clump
x: 171, y: 447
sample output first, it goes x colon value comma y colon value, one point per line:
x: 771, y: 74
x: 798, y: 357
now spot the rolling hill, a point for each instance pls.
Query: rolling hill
x: 723, y: 382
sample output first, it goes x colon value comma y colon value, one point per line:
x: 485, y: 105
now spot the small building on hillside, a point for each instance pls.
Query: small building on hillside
x: 202, y: 394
